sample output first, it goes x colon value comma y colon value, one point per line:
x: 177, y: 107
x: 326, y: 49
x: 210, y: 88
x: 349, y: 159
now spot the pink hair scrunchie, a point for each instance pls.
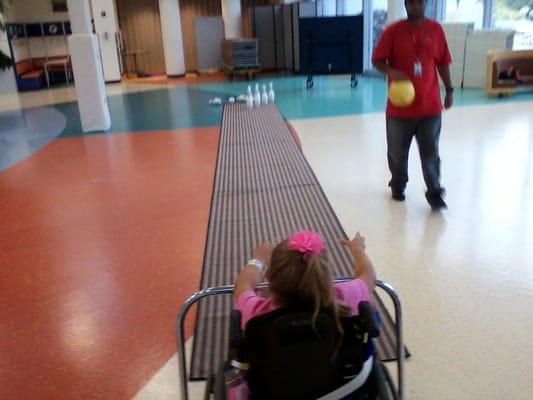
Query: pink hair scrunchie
x: 307, y: 243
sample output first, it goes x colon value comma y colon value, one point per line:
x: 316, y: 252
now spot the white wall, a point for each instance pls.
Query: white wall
x: 20, y: 49
x: 25, y: 11
x: 33, y: 11
x: 106, y: 28
x: 40, y: 47
x: 231, y: 12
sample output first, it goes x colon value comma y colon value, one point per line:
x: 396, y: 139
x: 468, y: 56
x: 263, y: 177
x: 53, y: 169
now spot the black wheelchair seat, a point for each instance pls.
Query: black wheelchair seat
x: 294, y: 355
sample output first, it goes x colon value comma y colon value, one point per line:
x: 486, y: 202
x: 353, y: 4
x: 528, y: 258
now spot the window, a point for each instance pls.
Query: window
x: 515, y: 15
x: 332, y: 8
x: 465, y: 11
x: 379, y: 19
x: 326, y: 8
x: 353, y: 7
x: 431, y: 9
x: 59, y: 5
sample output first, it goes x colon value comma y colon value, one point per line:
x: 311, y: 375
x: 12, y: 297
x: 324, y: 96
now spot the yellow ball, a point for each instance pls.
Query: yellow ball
x: 401, y: 93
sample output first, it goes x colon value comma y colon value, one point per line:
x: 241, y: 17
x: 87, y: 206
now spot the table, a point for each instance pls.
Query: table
x: 56, y: 62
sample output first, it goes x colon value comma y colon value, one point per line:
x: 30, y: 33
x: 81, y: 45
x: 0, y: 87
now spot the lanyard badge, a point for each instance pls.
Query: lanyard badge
x: 417, y: 68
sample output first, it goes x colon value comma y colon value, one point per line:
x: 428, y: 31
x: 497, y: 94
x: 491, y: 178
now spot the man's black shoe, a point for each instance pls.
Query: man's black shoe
x: 398, y: 195
x: 436, y: 201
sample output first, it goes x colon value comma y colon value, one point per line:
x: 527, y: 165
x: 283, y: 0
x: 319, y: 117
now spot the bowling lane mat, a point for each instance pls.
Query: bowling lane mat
x: 264, y: 190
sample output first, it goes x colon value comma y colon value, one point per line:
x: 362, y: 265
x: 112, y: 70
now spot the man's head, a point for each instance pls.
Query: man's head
x: 415, y: 9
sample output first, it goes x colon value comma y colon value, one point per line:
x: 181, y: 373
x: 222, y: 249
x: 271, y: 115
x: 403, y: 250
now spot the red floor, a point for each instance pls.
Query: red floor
x: 102, y: 239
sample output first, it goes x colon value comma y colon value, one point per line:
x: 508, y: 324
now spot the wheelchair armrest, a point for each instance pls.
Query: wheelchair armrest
x: 367, y: 313
x: 235, y: 333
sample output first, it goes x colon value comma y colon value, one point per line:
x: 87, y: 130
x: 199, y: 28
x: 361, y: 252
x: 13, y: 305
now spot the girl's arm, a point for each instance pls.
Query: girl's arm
x: 363, y: 268
x: 252, y: 273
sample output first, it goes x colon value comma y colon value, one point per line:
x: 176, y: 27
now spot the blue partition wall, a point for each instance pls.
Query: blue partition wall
x: 332, y: 45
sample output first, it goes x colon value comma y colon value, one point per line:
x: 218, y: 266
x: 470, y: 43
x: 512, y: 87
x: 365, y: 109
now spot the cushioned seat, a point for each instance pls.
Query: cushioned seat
x: 502, y: 61
x: 28, y: 77
x: 32, y: 74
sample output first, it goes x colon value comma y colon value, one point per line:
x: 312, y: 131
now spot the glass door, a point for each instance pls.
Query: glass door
x: 375, y: 19
x: 465, y: 11
x: 515, y: 15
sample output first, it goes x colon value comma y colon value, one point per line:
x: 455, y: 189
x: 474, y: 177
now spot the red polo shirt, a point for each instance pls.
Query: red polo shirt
x: 401, y: 45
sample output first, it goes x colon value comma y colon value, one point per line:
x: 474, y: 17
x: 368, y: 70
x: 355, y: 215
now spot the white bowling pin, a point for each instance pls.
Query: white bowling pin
x: 264, y: 96
x: 249, y: 101
x: 257, y: 96
x: 271, y: 94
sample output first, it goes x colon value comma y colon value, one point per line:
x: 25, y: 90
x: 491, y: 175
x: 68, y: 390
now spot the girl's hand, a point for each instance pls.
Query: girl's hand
x: 356, y: 244
x: 263, y: 252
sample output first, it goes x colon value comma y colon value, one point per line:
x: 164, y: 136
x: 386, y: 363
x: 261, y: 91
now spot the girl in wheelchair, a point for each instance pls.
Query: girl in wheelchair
x: 298, y: 273
x: 296, y: 334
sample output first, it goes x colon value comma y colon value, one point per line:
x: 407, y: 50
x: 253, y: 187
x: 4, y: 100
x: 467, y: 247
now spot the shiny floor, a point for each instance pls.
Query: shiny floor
x: 102, y: 239
x: 465, y: 276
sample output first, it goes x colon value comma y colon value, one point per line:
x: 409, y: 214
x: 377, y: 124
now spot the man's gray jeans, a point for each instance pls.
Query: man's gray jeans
x: 400, y: 132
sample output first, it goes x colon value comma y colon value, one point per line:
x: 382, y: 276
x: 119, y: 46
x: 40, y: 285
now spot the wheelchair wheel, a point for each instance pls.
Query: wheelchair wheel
x: 219, y: 389
x: 209, y: 387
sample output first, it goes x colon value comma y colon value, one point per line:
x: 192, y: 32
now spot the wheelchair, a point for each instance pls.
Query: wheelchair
x: 291, y: 354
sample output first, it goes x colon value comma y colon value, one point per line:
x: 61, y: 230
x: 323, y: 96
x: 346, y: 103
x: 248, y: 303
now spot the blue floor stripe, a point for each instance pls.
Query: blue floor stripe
x: 184, y: 107
x: 23, y: 132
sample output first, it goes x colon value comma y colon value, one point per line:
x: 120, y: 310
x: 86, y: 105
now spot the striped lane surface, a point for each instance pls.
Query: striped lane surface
x: 264, y: 191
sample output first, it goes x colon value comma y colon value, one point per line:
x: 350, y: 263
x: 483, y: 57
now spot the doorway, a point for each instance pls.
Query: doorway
x: 140, y: 24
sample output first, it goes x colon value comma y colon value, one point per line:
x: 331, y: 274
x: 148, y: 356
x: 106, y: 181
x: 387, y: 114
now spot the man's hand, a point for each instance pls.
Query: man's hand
x: 397, y: 75
x: 448, y: 100
x: 393, y: 74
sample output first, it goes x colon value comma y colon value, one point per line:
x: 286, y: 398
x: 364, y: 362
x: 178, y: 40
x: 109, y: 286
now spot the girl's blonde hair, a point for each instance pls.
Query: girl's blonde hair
x: 295, y: 280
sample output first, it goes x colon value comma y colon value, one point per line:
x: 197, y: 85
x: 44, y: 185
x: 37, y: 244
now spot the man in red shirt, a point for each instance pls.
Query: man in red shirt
x: 415, y: 49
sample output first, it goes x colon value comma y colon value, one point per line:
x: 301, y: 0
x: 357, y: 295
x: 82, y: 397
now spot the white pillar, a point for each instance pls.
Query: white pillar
x: 87, y: 67
x: 232, y: 15
x: 80, y: 16
x: 395, y: 11
x: 106, y: 25
x: 169, y: 11
x: 8, y: 83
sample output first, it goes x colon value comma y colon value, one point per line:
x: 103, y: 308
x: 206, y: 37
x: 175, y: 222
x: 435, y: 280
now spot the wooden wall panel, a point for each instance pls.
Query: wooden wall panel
x: 140, y: 24
x: 141, y: 28
x: 190, y: 10
x: 247, y: 15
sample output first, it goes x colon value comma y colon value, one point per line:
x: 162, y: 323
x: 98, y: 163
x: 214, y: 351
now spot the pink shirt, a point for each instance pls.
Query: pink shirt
x: 350, y: 293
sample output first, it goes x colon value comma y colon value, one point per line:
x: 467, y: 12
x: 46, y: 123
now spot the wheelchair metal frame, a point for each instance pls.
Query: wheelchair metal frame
x: 220, y: 290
